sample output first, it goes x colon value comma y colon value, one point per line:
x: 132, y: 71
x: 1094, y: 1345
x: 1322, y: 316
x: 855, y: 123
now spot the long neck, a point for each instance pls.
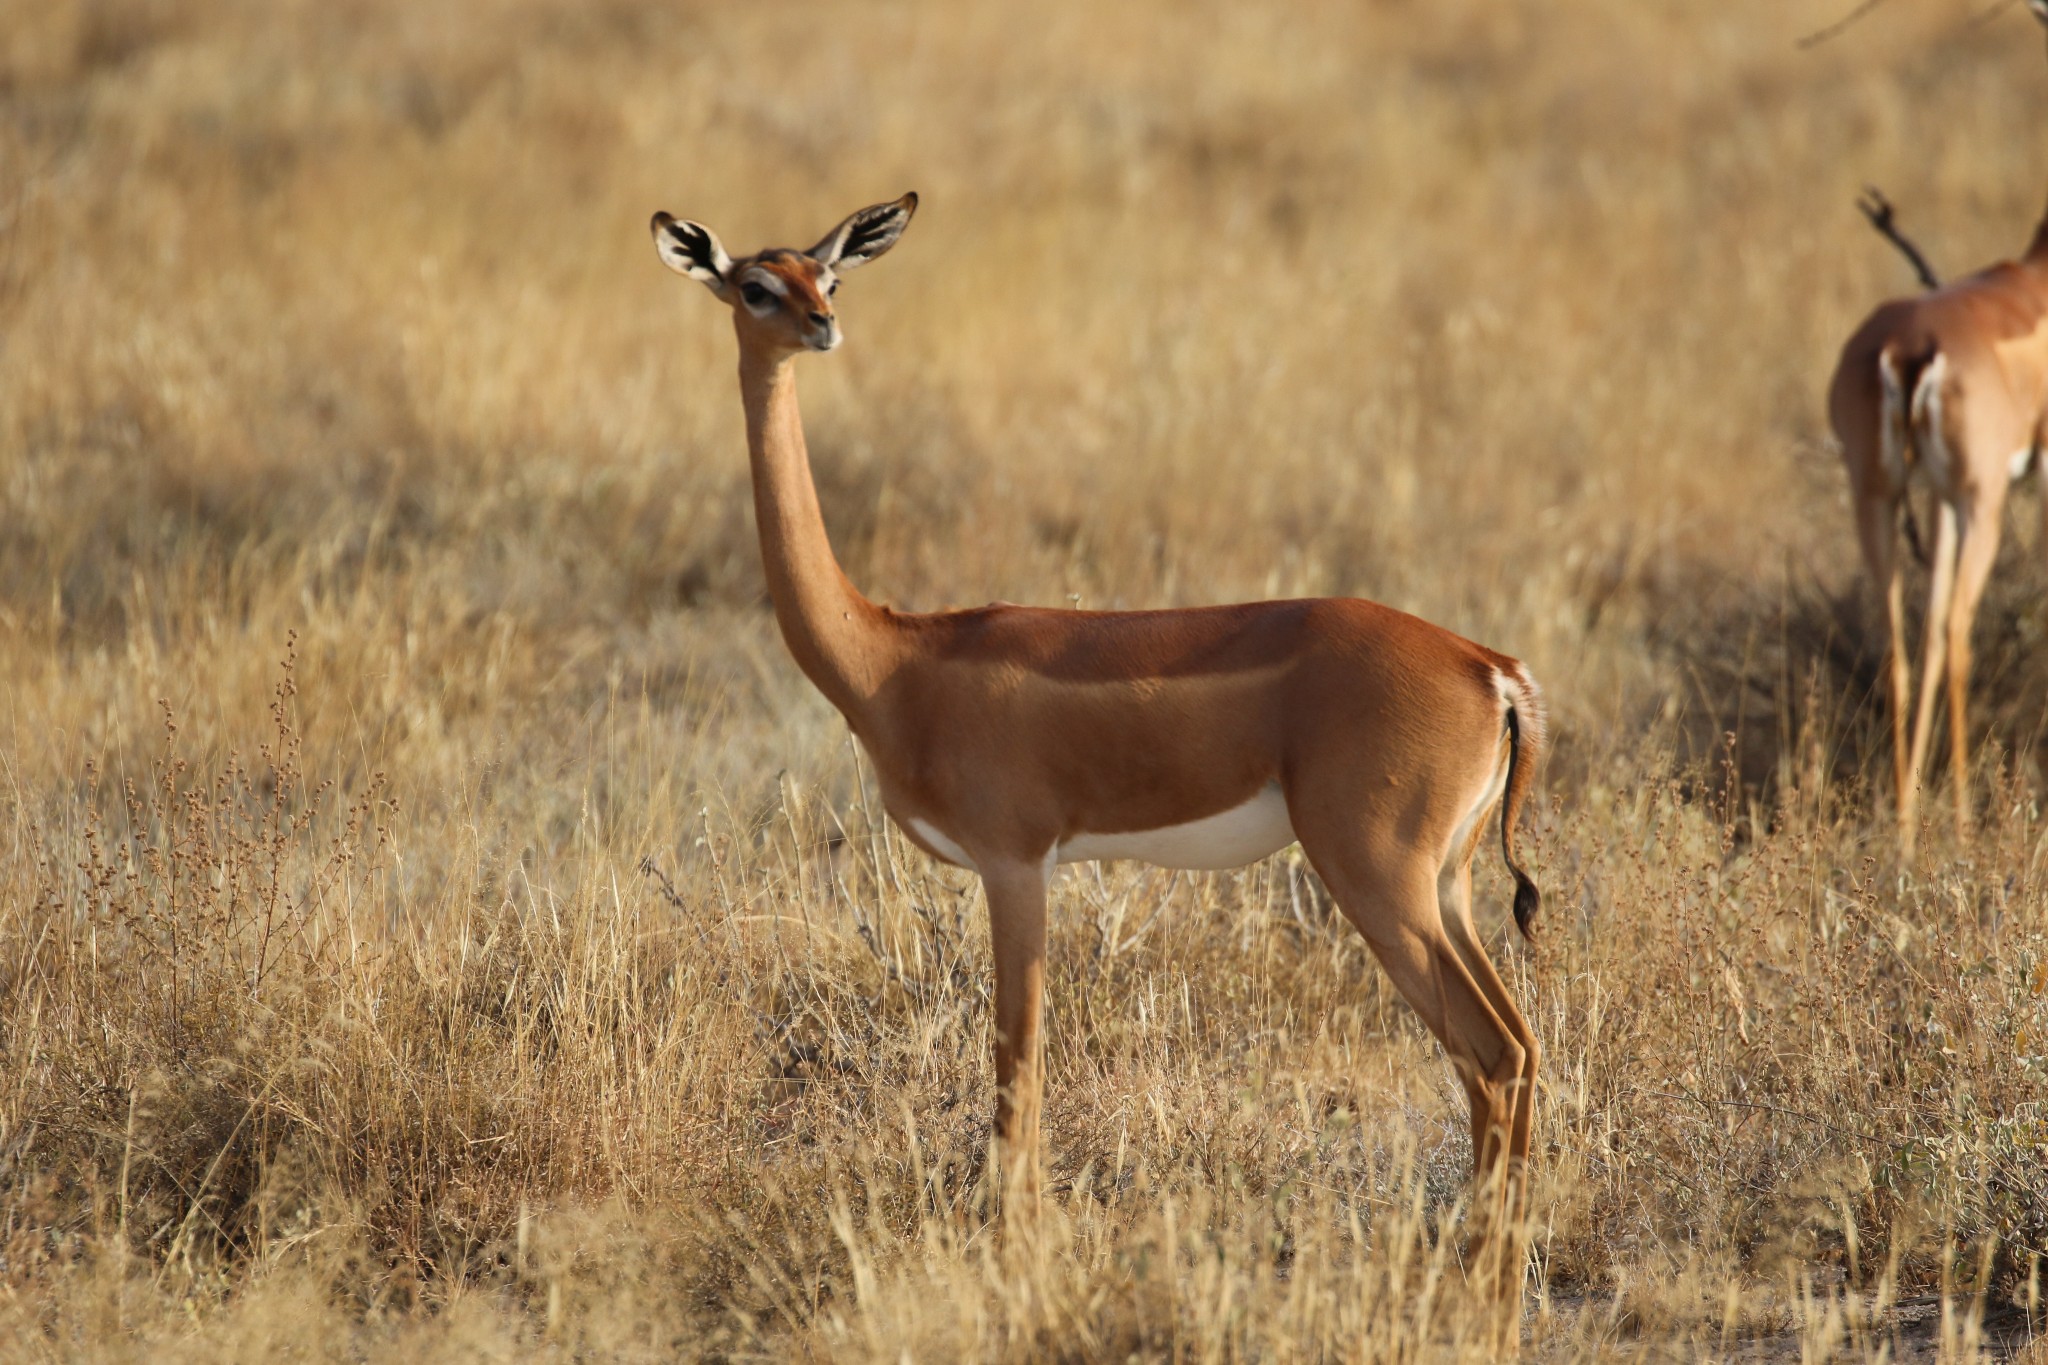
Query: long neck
x: 839, y: 638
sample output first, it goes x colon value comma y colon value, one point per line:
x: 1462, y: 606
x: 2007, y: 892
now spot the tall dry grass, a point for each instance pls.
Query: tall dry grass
x: 437, y: 919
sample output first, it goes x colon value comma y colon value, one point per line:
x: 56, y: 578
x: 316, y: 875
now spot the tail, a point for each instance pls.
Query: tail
x: 1925, y: 424
x: 1895, y: 437
x: 1910, y: 426
x: 1525, y: 750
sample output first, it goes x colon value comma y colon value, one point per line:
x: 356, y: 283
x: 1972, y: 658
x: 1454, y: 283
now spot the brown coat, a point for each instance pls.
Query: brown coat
x: 1009, y: 739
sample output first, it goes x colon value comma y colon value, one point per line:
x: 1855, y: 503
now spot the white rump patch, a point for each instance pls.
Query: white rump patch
x: 1891, y: 425
x: 1496, y: 787
x: 945, y: 847
x: 2022, y: 462
x: 1520, y: 694
x: 1231, y: 838
x: 1935, y: 468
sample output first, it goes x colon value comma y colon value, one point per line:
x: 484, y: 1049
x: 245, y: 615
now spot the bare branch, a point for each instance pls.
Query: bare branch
x: 1990, y: 12
x: 1977, y: 20
x: 1837, y: 28
x: 1879, y: 211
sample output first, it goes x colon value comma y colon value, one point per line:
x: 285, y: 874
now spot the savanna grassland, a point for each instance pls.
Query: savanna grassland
x: 437, y: 919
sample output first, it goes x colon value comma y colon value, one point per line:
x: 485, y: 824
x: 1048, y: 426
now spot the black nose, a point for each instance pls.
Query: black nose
x: 822, y: 319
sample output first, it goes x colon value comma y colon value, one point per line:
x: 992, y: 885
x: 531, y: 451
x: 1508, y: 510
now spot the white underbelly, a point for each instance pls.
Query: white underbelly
x: 937, y: 840
x: 1243, y: 834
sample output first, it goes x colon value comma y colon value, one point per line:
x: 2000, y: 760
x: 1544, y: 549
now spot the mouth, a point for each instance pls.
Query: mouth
x: 823, y: 341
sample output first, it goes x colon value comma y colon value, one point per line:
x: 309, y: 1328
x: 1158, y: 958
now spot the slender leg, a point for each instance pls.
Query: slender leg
x: 1454, y: 897
x: 1979, y: 535
x: 1876, y: 522
x: 1899, y: 689
x: 1940, y: 594
x: 1016, y: 914
x: 1402, y: 924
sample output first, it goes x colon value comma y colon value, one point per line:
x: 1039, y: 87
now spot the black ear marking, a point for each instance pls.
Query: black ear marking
x: 872, y: 227
x: 690, y: 238
x: 691, y: 249
x: 865, y: 234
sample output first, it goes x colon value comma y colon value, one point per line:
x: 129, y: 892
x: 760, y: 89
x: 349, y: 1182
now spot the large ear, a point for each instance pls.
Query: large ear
x: 691, y: 249
x: 866, y: 234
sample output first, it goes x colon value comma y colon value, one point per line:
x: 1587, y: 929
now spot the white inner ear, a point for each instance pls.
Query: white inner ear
x: 868, y: 234
x: 691, y: 266
x: 673, y: 240
x: 864, y: 235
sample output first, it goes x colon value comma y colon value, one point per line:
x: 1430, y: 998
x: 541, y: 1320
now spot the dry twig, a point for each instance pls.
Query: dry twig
x: 1883, y: 217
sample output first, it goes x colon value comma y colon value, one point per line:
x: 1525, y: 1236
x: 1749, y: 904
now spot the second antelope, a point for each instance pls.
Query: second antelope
x: 1013, y: 739
x: 1945, y: 393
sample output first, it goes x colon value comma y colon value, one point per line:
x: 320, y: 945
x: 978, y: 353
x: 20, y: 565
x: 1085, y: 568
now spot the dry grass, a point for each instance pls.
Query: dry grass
x: 521, y: 969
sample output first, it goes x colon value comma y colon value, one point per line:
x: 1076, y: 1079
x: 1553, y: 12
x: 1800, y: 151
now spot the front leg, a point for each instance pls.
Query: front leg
x: 1016, y: 915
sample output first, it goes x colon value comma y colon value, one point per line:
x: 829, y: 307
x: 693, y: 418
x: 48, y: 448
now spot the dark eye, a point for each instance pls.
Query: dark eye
x: 754, y: 294
x: 831, y: 289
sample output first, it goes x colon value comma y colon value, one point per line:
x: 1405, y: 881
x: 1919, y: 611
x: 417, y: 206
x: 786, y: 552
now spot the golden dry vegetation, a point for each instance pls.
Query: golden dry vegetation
x: 437, y: 920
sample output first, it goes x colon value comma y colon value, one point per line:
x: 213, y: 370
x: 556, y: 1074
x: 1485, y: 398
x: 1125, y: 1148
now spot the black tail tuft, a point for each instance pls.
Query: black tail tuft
x: 1528, y: 900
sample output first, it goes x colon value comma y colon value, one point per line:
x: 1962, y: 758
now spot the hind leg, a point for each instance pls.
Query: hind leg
x: 1396, y: 909
x: 1454, y: 903
x: 1934, y: 650
x: 1876, y: 521
x: 1979, y: 537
